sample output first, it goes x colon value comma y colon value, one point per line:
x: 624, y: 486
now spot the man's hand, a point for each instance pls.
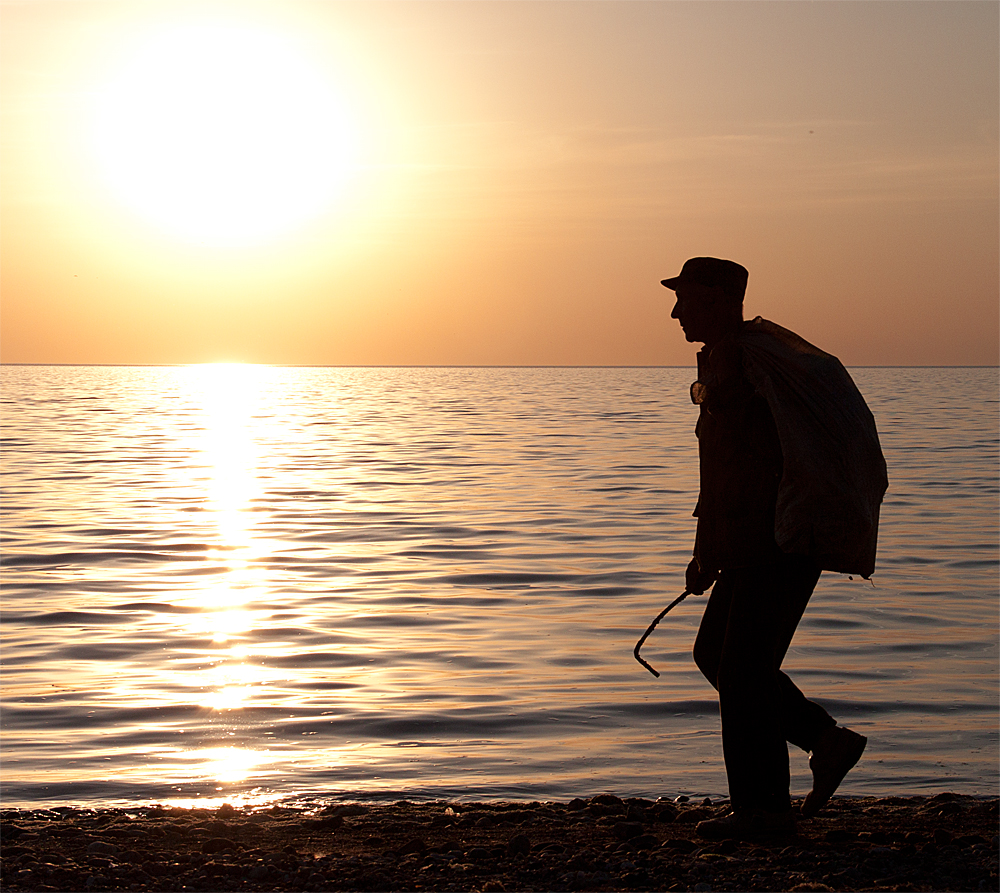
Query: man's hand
x: 697, y: 580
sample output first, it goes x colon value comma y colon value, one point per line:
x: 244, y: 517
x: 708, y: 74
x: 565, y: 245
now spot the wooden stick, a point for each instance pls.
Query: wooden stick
x: 652, y: 626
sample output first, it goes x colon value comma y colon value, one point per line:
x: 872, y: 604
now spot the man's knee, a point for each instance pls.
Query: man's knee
x: 742, y: 679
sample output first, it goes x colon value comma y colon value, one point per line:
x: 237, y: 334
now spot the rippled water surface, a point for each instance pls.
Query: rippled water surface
x: 273, y: 582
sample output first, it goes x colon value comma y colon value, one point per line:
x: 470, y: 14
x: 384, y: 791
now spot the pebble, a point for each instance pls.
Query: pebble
x: 519, y: 845
x: 627, y: 830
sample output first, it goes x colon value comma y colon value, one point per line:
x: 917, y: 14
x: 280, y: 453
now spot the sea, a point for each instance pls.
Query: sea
x: 252, y: 584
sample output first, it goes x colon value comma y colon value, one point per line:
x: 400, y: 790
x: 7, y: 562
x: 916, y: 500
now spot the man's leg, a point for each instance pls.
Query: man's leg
x: 835, y: 750
x: 750, y: 695
x: 803, y: 722
x: 755, y: 751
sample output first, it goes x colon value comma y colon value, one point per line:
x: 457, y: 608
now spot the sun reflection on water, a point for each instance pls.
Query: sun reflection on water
x: 228, y: 764
x: 230, y: 396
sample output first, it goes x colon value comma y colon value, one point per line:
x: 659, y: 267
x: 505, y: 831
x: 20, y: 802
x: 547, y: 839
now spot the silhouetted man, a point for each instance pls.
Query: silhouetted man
x: 791, y: 481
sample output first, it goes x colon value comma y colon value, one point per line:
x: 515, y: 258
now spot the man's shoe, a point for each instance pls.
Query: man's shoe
x: 835, y: 754
x: 748, y: 824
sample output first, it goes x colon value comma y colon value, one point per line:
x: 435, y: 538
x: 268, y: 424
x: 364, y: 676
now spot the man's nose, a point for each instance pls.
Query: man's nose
x: 673, y: 313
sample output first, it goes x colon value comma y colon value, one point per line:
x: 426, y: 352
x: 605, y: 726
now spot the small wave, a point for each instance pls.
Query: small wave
x: 157, y: 608
x: 332, y: 659
x: 521, y: 578
x: 87, y: 557
x: 67, y: 618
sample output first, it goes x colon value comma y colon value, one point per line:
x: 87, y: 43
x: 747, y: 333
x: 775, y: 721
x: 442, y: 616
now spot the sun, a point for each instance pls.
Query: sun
x: 223, y: 134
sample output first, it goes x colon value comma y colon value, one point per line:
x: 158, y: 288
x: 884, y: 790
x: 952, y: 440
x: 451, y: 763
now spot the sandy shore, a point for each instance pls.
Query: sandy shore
x: 945, y: 842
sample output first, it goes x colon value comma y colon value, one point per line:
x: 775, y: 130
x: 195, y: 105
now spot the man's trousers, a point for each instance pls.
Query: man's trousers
x: 748, y: 624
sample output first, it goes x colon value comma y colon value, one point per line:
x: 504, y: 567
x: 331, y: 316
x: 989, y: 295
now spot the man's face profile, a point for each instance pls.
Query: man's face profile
x: 698, y: 310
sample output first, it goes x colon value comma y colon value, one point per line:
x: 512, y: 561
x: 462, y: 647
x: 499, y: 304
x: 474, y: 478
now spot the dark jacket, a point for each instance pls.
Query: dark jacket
x: 740, y: 460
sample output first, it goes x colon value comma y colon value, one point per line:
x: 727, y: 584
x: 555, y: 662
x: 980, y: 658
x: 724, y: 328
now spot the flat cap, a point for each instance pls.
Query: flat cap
x: 728, y: 275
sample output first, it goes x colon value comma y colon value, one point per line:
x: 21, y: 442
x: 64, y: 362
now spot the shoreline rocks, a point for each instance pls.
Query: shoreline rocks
x: 945, y: 842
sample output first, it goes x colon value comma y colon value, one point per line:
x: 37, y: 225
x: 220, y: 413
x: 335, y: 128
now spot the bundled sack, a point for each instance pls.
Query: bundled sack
x: 834, y: 474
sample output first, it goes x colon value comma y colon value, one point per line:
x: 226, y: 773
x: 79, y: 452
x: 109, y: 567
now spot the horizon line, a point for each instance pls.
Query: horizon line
x: 478, y: 365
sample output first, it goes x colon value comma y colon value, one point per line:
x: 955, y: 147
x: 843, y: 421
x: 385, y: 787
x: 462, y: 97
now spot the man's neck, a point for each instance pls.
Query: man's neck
x: 722, y: 331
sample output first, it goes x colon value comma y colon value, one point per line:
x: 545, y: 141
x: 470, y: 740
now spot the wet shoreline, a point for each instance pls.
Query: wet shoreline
x: 944, y: 842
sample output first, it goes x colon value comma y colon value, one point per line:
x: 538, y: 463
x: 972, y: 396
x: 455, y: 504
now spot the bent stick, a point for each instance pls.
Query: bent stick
x: 652, y: 626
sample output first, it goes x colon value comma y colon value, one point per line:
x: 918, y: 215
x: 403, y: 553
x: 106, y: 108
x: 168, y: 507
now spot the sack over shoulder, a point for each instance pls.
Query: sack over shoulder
x: 834, y: 473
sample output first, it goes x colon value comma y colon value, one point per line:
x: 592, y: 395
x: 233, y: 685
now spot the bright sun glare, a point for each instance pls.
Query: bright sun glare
x: 223, y: 134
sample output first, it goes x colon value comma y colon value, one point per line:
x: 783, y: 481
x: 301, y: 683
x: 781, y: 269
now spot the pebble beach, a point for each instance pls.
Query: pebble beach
x: 934, y: 843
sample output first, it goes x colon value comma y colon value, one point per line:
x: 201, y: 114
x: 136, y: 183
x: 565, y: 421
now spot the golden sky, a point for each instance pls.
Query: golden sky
x: 493, y: 182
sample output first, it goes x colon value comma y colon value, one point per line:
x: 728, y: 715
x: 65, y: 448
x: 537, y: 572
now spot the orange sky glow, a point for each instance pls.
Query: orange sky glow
x: 493, y: 182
